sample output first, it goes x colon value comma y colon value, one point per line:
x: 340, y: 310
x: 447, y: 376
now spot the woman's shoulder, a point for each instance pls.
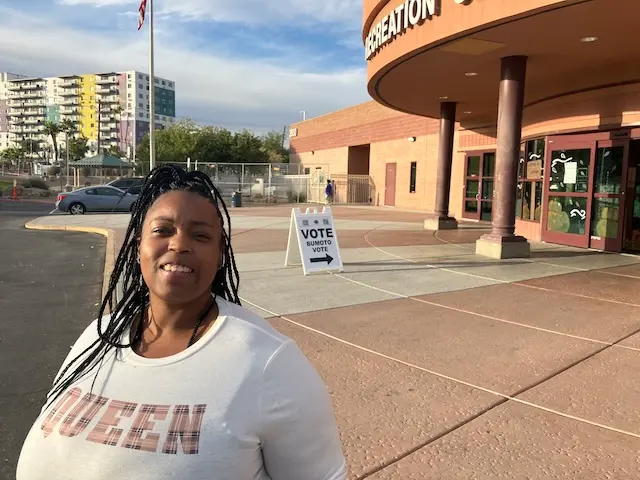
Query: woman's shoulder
x: 252, y: 323
x: 90, y: 334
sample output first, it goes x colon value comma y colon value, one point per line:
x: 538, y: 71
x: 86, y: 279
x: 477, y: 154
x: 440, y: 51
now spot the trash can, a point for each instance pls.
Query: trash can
x: 236, y: 199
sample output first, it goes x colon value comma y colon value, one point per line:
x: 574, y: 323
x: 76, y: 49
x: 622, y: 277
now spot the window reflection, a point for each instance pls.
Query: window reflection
x: 567, y: 215
x: 609, y: 169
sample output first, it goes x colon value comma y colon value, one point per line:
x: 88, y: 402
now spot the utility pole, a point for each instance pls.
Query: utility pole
x: 284, y: 134
x: 66, y: 136
x: 99, y: 117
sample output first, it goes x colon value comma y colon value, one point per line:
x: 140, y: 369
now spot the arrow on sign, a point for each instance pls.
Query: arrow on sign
x: 327, y: 258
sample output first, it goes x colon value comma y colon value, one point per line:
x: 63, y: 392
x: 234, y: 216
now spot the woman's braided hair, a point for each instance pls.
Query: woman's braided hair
x: 135, y: 293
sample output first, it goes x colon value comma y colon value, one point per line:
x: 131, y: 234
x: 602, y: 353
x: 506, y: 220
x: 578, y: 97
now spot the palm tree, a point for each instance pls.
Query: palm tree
x: 53, y: 130
x: 67, y: 127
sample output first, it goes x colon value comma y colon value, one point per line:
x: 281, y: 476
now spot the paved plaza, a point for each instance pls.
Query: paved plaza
x: 445, y: 365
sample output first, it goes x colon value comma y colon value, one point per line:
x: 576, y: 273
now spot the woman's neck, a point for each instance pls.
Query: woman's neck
x: 176, y: 318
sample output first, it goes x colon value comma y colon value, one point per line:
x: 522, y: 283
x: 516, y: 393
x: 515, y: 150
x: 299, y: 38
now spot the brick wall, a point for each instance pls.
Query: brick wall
x: 360, y: 125
x: 402, y: 152
x: 331, y: 161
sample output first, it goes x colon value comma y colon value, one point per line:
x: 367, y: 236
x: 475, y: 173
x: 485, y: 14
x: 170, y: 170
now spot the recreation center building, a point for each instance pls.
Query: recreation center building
x: 524, y: 114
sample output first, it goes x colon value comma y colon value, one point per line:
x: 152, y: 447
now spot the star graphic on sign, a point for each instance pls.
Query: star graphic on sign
x: 316, y: 222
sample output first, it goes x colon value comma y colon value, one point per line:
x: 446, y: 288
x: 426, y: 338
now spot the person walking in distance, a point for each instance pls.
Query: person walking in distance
x: 328, y: 193
x: 179, y: 381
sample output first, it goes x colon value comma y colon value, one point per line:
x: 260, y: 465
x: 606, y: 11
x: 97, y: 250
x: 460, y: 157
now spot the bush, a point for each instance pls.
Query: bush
x: 293, y: 197
x: 34, y: 182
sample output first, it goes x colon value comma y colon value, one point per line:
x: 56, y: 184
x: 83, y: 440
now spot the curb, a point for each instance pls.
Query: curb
x: 110, y: 250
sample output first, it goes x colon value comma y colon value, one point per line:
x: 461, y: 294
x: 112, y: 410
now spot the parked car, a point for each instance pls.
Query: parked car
x: 128, y: 184
x: 102, y: 198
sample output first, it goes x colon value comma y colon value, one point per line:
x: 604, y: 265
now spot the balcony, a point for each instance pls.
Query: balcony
x: 21, y: 85
x: 33, y: 129
x: 69, y: 109
x: 16, y: 112
x: 69, y: 83
x: 33, y: 121
x: 106, y: 90
x: 69, y: 92
x: 26, y: 94
x: 15, y: 103
x: 111, y: 99
x: 108, y: 127
x: 34, y: 112
x: 70, y: 117
x: 106, y: 80
x: 69, y: 101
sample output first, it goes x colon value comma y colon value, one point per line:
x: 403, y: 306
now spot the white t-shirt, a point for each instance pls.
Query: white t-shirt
x: 242, y: 403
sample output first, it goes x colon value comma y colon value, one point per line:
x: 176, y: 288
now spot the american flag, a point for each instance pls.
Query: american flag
x: 142, y: 10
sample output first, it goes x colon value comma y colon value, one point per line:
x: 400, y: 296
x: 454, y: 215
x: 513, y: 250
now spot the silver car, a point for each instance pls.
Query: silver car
x: 101, y: 198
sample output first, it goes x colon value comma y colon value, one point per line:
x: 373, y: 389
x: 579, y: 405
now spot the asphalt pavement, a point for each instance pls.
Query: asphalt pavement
x: 50, y: 286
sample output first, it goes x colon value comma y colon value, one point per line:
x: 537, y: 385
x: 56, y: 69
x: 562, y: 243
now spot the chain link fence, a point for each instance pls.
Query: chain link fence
x: 258, y: 183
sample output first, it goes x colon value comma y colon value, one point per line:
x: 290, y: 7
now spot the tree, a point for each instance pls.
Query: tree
x: 273, y: 145
x: 53, y: 130
x: 212, y: 145
x: 115, y: 151
x: 32, y: 146
x: 68, y: 128
x: 78, y: 148
x: 12, y: 153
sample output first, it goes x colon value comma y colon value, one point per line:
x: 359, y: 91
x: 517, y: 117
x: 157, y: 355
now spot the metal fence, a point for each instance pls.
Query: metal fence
x: 266, y: 183
x: 271, y: 183
x: 353, y: 189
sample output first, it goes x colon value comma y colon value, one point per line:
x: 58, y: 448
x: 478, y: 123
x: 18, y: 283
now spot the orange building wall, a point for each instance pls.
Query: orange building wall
x: 402, y: 152
x: 331, y: 160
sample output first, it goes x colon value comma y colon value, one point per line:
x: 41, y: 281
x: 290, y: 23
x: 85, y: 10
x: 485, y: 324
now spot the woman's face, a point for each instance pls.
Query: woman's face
x: 180, y: 247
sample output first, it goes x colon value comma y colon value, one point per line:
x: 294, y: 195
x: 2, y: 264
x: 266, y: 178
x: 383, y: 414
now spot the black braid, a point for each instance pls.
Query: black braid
x: 135, y: 297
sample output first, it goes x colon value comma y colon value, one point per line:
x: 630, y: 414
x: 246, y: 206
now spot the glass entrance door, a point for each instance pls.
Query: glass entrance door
x: 568, y: 192
x: 609, y: 190
x: 478, y: 188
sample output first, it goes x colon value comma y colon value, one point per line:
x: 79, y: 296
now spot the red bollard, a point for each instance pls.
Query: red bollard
x: 15, y: 190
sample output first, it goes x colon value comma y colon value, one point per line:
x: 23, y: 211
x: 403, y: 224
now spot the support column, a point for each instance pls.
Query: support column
x: 441, y: 220
x: 502, y: 241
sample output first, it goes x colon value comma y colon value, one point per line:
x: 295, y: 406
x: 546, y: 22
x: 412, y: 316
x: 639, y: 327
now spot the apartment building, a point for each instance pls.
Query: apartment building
x: 5, y: 77
x: 109, y: 109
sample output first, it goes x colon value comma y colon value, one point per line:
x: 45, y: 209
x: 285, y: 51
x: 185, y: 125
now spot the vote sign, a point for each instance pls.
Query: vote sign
x: 317, y: 240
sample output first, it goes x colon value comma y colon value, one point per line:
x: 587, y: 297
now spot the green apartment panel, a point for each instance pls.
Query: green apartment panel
x: 52, y: 113
x: 165, y: 102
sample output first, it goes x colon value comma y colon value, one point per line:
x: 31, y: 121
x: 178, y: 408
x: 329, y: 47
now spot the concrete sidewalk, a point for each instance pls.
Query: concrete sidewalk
x: 447, y: 365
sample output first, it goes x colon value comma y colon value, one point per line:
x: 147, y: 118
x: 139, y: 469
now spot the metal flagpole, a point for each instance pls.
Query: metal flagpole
x: 152, y: 95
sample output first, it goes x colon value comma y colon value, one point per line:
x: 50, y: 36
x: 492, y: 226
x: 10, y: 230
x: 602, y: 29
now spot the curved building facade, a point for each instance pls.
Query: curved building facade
x: 531, y: 115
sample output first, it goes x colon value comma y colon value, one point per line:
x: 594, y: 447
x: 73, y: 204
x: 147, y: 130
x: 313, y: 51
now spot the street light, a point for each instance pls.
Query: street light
x: 304, y: 115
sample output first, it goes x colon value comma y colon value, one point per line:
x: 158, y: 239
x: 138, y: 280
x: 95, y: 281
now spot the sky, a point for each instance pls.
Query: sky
x: 237, y: 64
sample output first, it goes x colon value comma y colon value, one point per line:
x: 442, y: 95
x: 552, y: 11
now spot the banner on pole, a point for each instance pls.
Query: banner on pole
x: 317, y: 241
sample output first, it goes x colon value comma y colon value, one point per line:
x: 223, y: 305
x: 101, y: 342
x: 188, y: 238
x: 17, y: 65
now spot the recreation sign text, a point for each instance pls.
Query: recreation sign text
x: 407, y: 14
x: 315, y: 233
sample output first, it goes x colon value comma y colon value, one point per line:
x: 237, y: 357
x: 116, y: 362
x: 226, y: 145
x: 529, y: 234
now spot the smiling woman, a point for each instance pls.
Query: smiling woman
x: 180, y: 381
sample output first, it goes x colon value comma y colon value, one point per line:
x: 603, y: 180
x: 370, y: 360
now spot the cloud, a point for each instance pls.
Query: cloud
x: 254, y: 77
x: 256, y: 12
